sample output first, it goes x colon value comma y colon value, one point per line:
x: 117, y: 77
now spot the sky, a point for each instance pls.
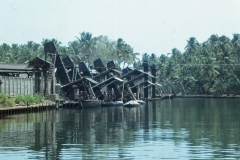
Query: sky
x: 149, y: 26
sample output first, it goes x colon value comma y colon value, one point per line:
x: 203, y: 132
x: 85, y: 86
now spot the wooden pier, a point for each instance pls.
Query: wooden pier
x: 27, y: 108
x: 38, y: 107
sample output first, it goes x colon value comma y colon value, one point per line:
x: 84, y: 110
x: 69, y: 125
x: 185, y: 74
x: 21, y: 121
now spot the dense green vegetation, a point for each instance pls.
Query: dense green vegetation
x: 84, y: 48
x: 27, y: 99
x: 6, y: 101
x: 211, y: 67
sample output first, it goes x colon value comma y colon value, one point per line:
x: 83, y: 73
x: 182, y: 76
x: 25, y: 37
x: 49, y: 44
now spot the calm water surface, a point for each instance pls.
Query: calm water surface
x: 167, y: 129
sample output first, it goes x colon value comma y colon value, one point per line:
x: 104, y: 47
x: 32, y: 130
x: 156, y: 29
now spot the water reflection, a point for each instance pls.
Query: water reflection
x: 173, y: 129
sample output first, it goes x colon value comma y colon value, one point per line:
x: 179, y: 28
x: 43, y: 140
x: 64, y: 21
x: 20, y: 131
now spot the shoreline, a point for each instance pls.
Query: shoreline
x: 207, y: 96
x: 26, y: 108
x: 43, y: 106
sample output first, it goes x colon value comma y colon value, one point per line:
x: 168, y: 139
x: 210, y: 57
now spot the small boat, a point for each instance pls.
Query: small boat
x: 132, y: 103
x: 111, y: 103
x: 90, y: 103
x: 140, y: 101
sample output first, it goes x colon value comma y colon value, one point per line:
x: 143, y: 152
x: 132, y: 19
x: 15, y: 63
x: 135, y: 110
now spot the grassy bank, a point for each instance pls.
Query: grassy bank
x: 19, y: 100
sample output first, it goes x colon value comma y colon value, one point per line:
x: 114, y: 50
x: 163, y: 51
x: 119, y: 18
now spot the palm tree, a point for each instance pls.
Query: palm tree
x: 106, y: 50
x: 120, y: 50
x: 223, y: 52
x: 15, y: 51
x: 179, y: 76
x: 236, y: 46
x: 191, y: 48
x: 125, y: 53
x: 145, y: 57
x: 73, y: 50
x: 87, y: 45
x: 5, y: 48
x: 134, y: 58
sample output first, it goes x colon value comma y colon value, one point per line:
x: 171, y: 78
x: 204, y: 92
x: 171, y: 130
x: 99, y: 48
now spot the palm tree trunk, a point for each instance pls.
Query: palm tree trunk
x: 183, y: 88
x: 168, y: 88
x: 174, y: 88
x: 234, y: 76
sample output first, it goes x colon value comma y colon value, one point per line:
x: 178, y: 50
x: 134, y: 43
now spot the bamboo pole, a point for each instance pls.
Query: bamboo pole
x: 122, y: 91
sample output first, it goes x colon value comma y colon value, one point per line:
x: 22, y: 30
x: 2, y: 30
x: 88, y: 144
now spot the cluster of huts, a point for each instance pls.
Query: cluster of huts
x: 82, y: 85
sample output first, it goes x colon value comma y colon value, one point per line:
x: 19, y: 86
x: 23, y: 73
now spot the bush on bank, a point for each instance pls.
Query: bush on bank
x: 6, y: 101
x: 27, y: 99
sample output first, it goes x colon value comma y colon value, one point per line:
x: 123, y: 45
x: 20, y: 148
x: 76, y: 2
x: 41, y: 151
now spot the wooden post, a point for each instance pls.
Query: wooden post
x: 31, y: 86
x: 13, y: 85
x: 5, y: 85
x: 1, y: 84
x: 45, y: 81
x: 53, y: 82
x: 20, y: 85
x: 23, y: 86
x: 36, y: 82
x: 9, y: 84
x: 27, y: 86
x: 17, y: 79
x: 145, y: 69
x: 153, y: 71
x: 42, y: 84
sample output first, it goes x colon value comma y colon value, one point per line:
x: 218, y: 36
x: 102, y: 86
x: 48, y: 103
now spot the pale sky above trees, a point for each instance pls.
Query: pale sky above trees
x: 149, y: 26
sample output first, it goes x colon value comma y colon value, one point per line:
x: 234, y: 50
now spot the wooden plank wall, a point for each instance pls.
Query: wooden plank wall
x: 14, y: 85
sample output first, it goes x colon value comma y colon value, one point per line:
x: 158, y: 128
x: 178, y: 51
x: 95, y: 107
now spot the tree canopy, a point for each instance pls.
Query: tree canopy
x: 211, y: 67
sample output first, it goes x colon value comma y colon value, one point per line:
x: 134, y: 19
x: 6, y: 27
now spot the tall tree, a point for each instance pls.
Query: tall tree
x: 191, y: 48
x: 87, y: 45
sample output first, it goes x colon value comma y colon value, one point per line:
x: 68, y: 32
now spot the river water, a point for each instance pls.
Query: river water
x: 164, y: 129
